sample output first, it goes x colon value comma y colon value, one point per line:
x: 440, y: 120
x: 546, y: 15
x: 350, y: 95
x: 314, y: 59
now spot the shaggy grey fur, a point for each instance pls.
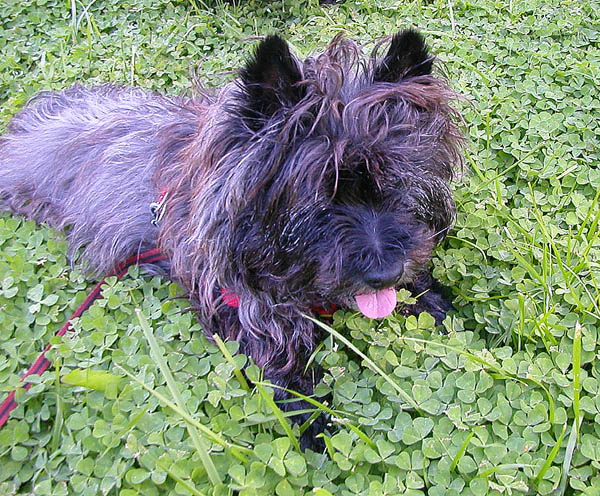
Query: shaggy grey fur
x: 301, y: 184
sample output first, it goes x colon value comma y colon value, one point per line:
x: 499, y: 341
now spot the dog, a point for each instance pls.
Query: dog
x: 302, y: 184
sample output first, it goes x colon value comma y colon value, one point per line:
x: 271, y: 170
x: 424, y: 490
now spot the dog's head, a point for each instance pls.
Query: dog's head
x: 330, y: 176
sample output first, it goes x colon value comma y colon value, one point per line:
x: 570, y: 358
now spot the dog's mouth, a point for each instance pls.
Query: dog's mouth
x: 378, y: 304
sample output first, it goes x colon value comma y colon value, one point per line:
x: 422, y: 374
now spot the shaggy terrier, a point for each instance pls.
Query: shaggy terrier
x: 308, y: 184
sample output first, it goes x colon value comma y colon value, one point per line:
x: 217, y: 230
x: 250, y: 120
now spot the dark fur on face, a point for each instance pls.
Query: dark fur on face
x: 301, y: 184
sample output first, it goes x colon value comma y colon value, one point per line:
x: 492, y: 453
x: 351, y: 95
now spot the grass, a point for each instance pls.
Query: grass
x: 506, y: 402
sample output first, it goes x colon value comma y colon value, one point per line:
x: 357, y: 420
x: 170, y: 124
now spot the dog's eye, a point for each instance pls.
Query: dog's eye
x: 355, y: 184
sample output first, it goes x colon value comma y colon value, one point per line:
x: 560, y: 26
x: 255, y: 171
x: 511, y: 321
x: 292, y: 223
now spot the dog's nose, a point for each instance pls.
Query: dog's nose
x: 385, y: 278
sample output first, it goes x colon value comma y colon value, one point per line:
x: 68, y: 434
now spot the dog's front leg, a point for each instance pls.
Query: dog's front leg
x: 301, y: 382
x: 280, y: 341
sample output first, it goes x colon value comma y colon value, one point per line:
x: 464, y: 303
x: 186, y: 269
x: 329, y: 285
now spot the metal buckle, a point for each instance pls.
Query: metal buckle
x: 158, y: 208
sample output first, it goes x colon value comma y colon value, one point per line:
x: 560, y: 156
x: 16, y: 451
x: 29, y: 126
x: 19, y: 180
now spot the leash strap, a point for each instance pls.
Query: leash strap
x: 42, y: 363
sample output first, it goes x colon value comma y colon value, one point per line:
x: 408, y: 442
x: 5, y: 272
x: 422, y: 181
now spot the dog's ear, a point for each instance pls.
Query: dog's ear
x: 407, y: 56
x: 270, y: 78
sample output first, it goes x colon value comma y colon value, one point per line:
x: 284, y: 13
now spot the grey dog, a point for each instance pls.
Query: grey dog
x: 302, y: 184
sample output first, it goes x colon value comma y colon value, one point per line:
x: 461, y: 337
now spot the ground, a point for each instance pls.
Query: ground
x: 491, y: 407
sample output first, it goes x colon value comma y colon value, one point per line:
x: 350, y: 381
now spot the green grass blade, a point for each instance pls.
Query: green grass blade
x: 529, y: 267
x: 319, y: 491
x: 324, y: 408
x: 184, y: 483
x: 451, y: 15
x: 577, y: 374
x: 592, y: 208
x: 369, y: 363
x: 461, y: 451
x: 551, y: 456
x: 236, y: 450
x: 279, y: 414
x: 126, y: 429
x: 328, y: 445
x: 269, y: 418
x: 309, y: 421
x: 497, y: 370
x: 505, y: 171
x: 236, y: 371
x: 500, y: 468
x: 560, y: 490
x: 200, y: 445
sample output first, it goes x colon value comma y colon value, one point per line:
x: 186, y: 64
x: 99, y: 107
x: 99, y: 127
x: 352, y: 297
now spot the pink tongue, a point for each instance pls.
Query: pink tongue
x: 377, y: 305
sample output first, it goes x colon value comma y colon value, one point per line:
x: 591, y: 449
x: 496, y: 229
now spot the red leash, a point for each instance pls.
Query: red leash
x: 42, y: 363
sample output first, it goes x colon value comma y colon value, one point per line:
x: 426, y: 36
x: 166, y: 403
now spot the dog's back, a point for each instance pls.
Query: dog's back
x: 85, y: 158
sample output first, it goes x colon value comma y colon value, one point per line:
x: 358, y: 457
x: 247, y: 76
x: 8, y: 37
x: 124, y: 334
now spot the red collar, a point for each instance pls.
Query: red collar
x: 232, y: 300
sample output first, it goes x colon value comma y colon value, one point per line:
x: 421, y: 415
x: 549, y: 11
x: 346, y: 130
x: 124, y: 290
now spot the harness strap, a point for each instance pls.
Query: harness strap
x: 42, y: 363
x: 232, y: 300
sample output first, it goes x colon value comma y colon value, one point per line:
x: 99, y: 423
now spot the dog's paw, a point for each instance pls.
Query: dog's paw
x: 436, y: 305
x: 431, y: 299
x: 310, y: 439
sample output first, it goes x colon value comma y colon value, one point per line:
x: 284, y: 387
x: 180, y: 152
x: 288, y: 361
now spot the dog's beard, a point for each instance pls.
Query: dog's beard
x: 363, y: 253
